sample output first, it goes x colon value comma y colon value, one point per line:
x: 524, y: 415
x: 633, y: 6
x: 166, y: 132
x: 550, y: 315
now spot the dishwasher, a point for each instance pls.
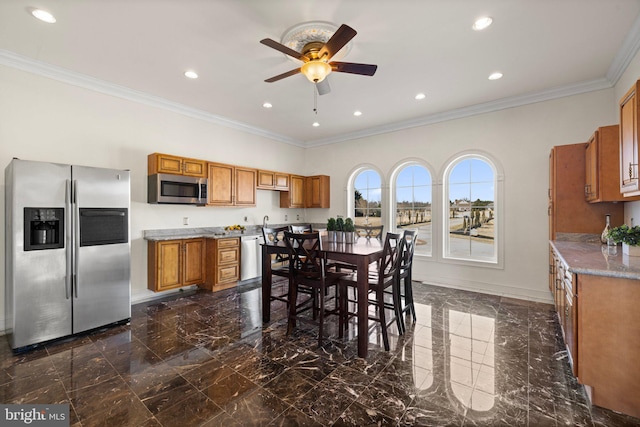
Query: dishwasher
x: 251, y: 257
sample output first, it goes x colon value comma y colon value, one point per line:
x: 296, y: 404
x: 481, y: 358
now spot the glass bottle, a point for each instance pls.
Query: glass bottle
x: 607, y: 228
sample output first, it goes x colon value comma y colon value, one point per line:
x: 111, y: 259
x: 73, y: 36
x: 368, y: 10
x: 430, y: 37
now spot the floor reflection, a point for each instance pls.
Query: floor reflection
x: 206, y: 359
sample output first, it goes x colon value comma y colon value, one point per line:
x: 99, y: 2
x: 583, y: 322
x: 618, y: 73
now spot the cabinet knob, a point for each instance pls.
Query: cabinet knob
x: 566, y: 311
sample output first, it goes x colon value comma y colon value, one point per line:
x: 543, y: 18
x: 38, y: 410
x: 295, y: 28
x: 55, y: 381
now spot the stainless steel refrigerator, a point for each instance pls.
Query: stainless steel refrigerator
x: 67, y: 254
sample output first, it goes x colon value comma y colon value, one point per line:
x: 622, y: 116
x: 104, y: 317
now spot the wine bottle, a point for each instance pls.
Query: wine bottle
x: 607, y: 228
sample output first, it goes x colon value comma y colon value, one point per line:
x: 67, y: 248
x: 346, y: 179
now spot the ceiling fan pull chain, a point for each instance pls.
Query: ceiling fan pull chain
x: 315, y: 99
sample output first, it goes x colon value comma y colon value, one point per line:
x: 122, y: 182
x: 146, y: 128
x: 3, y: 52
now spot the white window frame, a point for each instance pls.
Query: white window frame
x: 351, y: 203
x: 499, y: 202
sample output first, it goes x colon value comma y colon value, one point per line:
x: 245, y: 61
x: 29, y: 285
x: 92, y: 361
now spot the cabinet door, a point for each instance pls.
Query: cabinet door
x: 220, y: 184
x: 317, y: 191
x: 266, y: 180
x: 168, y: 164
x: 591, y: 169
x: 281, y: 181
x: 628, y: 143
x: 245, y: 186
x: 193, y: 167
x: 193, y: 261
x: 570, y: 329
x: 294, y: 198
x: 169, y: 264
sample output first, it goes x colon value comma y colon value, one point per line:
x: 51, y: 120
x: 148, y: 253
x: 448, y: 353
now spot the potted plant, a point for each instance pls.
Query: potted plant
x: 349, y: 231
x: 340, y: 229
x: 332, y: 228
x: 629, y: 237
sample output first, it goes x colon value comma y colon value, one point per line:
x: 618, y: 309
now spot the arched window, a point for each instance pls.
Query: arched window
x: 470, y: 225
x: 367, y: 204
x: 413, y: 195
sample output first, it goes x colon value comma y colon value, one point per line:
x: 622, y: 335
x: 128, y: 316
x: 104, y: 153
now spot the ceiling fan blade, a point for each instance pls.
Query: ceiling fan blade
x: 283, y: 75
x: 353, y: 68
x: 338, y: 40
x: 323, y: 87
x: 284, y: 49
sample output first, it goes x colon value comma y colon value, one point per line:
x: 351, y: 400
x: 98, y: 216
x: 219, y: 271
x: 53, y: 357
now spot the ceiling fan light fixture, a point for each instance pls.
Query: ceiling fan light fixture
x: 316, y: 71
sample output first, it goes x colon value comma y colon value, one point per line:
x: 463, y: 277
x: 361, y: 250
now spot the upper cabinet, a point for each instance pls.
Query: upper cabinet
x: 317, y: 192
x: 602, y: 166
x: 294, y: 198
x: 629, y: 185
x: 231, y: 185
x: 165, y: 163
x: 269, y: 180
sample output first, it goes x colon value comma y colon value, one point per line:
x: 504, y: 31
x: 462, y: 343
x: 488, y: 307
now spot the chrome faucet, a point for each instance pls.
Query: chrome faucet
x: 264, y: 221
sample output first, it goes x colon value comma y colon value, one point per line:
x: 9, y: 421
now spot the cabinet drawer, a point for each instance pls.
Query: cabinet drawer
x: 228, y: 255
x: 228, y: 274
x: 229, y: 243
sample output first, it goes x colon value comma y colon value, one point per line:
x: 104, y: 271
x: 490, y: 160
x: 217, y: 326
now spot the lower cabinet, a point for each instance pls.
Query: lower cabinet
x: 223, y: 262
x: 563, y: 284
x: 175, y: 263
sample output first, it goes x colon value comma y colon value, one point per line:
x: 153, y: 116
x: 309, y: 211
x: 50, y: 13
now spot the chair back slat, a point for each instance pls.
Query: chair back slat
x: 305, y: 253
x: 390, y: 261
x: 409, y: 237
x: 370, y: 231
x: 302, y: 228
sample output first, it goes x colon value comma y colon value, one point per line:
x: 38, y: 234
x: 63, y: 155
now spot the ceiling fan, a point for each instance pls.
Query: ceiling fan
x: 316, y: 56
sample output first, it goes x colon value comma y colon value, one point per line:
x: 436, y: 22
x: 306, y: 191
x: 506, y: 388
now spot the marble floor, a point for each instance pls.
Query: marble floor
x: 205, y: 359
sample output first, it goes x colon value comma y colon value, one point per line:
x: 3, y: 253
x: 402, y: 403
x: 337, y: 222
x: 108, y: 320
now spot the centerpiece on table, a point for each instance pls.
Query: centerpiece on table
x: 349, y: 231
x: 340, y: 230
x: 332, y: 229
x: 629, y: 237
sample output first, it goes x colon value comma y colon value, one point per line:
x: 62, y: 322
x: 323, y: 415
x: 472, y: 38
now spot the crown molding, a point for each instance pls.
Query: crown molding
x: 11, y: 59
x: 626, y: 53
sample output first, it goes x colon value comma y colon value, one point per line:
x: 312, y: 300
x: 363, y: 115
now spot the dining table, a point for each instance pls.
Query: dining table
x: 361, y: 253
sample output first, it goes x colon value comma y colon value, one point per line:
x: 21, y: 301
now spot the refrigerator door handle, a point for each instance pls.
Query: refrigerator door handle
x: 76, y: 237
x: 68, y: 272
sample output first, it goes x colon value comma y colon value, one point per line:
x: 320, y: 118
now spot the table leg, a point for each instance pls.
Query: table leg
x: 363, y: 306
x: 266, y: 284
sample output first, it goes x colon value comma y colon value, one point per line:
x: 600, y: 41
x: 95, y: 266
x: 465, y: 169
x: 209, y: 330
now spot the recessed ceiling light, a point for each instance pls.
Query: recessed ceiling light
x: 420, y: 96
x: 43, y: 15
x: 482, y: 23
x: 315, y: 124
x: 267, y: 105
x: 191, y: 74
x: 357, y: 113
x: 495, y: 76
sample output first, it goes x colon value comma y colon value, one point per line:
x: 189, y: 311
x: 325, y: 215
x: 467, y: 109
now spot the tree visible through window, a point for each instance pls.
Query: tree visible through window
x: 471, y: 218
x: 368, y: 198
x: 413, y: 204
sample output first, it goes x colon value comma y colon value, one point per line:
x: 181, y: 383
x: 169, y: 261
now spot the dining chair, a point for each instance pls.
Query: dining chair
x: 369, y: 231
x: 301, y: 228
x: 308, y: 270
x: 279, y: 262
x: 404, y: 275
x: 385, y: 277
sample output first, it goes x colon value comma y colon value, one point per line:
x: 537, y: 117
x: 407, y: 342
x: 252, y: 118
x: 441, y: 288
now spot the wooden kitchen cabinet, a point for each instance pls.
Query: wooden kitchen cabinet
x: 602, y: 166
x: 166, y: 163
x: 231, y: 185
x: 629, y: 185
x: 269, y: 180
x: 175, y: 263
x: 223, y: 266
x: 562, y: 285
x: 569, y: 211
x: 318, y: 192
x: 295, y: 197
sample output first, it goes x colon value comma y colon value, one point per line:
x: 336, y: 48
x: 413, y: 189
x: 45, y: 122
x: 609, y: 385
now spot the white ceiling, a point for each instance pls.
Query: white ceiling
x: 140, y: 48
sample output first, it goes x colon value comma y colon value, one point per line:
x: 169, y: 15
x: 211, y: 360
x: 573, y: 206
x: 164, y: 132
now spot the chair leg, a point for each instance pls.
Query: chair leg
x: 397, y: 307
x: 408, y: 299
x: 341, y: 298
x: 383, y: 320
x: 321, y: 316
x: 293, y: 297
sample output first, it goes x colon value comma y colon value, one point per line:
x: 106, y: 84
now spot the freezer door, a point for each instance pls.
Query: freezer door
x: 102, y: 289
x: 37, y: 298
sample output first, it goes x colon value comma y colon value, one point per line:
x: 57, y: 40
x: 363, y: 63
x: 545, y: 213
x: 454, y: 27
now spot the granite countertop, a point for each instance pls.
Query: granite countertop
x: 589, y: 258
x: 193, y: 233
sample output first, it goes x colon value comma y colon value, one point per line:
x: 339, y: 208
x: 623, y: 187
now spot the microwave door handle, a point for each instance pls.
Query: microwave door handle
x: 68, y: 246
x: 76, y: 237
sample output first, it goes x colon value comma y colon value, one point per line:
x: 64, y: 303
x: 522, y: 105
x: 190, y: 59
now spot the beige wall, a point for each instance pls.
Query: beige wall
x: 47, y: 120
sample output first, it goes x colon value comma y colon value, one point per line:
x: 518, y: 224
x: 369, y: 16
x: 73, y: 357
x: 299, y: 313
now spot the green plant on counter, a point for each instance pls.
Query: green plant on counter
x: 331, y: 225
x: 625, y: 234
x: 348, y: 225
x: 340, y: 223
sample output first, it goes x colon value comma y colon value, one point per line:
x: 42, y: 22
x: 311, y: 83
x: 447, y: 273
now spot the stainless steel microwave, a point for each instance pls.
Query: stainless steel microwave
x: 177, y: 189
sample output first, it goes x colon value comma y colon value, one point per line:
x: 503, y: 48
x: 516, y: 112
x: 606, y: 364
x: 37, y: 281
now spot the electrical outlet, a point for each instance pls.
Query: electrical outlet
x: 245, y: 219
x: 286, y: 218
x: 297, y: 217
x: 185, y: 220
